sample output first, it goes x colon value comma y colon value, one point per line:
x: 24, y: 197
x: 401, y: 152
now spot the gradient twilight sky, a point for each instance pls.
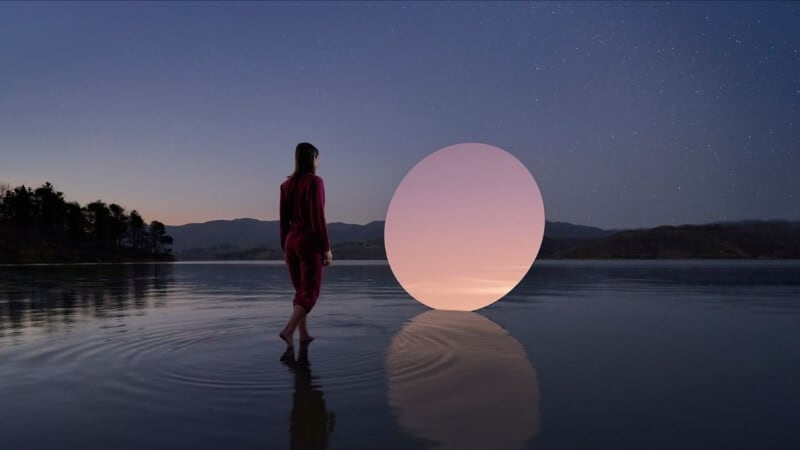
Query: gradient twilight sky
x: 627, y: 114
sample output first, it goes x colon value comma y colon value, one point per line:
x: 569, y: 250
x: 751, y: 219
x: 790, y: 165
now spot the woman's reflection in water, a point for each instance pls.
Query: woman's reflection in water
x: 311, y: 422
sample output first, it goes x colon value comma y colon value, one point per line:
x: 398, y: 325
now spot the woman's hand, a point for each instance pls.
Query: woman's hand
x: 327, y: 257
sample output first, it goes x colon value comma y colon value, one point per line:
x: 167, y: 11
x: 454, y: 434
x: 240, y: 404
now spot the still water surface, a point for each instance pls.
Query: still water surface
x: 614, y: 354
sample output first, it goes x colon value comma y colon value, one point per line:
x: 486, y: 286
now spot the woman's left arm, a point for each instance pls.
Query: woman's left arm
x: 319, y: 224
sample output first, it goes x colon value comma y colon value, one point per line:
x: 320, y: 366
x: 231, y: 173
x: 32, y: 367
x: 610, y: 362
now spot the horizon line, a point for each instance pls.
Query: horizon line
x: 551, y: 221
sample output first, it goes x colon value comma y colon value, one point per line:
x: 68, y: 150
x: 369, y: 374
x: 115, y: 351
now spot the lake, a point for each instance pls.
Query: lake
x: 580, y: 355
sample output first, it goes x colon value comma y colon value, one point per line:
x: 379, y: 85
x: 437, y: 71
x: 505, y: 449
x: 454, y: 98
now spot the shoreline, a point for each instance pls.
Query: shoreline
x: 384, y: 262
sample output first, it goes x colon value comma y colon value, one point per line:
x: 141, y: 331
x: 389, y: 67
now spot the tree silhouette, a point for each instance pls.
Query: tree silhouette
x: 136, y: 229
x: 20, y: 203
x: 39, y: 225
x: 158, y: 237
x: 99, y: 217
x: 77, y: 227
x: 51, y: 207
x: 4, y: 188
x: 118, y: 223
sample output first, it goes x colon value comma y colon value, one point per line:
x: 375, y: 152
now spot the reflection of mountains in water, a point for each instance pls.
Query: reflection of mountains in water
x: 41, y: 296
x: 460, y: 380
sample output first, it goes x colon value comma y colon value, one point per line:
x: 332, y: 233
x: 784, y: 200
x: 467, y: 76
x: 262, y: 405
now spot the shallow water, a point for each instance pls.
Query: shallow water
x: 623, y: 354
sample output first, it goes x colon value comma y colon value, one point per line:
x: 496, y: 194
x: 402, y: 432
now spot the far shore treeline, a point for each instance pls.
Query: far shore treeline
x: 40, y: 226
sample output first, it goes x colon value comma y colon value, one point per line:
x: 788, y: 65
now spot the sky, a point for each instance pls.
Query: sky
x: 627, y: 114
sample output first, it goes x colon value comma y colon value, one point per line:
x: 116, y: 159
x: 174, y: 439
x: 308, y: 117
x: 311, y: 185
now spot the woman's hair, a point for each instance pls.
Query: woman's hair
x: 304, y: 155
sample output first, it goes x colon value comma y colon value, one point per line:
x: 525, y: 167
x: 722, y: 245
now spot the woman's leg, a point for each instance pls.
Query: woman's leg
x: 294, y: 265
x: 303, y: 326
x: 311, y: 270
x: 305, y: 268
x: 287, y: 334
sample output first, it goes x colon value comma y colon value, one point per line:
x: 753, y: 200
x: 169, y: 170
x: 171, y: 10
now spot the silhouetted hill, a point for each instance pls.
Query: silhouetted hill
x: 367, y: 249
x: 552, y: 246
x: 231, y: 234
x: 219, y: 239
x: 751, y: 239
x: 564, y: 230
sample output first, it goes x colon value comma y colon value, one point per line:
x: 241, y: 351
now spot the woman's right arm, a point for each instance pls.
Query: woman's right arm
x: 319, y: 224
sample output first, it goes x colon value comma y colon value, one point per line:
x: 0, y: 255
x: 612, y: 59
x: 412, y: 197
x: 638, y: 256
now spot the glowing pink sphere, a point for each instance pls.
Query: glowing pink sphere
x: 464, y: 227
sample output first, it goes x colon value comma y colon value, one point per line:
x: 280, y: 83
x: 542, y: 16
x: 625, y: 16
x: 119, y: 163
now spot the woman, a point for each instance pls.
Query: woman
x: 304, y: 238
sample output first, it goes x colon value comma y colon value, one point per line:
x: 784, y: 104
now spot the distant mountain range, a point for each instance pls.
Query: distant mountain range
x: 257, y: 239
x: 248, y: 238
x: 752, y: 239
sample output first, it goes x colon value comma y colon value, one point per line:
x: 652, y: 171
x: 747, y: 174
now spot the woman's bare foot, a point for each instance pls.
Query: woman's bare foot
x: 306, y: 339
x: 286, y: 339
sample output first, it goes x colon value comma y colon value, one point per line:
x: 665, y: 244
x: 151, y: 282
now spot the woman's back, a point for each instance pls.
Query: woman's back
x: 303, y: 207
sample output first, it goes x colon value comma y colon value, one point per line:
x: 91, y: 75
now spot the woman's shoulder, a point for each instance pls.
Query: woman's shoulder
x: 303, y: 179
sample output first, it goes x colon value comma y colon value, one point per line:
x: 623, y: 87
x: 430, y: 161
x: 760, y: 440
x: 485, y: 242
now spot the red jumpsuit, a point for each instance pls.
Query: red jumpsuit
x: 304, y: 235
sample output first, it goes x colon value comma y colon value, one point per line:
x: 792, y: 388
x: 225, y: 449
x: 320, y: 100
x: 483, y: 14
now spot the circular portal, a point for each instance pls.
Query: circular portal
x: 464, y: 227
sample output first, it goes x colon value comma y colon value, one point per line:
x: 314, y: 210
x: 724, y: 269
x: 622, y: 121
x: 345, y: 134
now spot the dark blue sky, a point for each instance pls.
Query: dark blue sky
x: 627, y: 114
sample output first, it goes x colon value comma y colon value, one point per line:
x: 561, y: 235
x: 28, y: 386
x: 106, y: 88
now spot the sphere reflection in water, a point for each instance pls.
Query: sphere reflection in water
x: 460, y: 380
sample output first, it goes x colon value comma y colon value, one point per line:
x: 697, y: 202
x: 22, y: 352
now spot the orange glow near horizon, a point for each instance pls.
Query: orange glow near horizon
x: 464, y: 227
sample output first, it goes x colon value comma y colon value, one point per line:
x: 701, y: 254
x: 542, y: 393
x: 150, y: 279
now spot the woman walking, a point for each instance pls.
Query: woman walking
x: 304, y: 238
